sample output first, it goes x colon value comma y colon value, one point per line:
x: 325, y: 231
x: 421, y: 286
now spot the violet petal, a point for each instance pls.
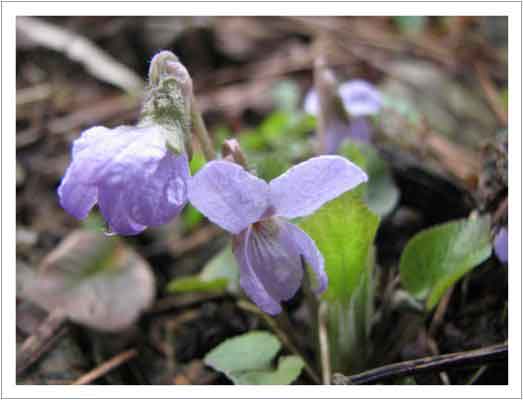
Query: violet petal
x: 114, y: 207
x: 336, y: 132
x: 76, y: 197
x: 307, y: 186
x: 228, y: 195
x: 272, y: 259
x: 162, y: 190
x: 360, y: 98
x: 360, y: 129
x: 501, y: 245
x: 307, y: 248
x: 249, y: 280
x: 129, y: 171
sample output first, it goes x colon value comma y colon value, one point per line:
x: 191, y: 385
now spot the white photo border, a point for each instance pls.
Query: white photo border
x: 10, y: 10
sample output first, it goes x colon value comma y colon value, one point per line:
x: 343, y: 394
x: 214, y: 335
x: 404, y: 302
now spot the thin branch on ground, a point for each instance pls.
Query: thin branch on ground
x: 105, y: 367
x: 483, y: 356
x: 474, y: 378
x: 439, y: 314
x: 35, y: 346
x: 491, y: 93
x: 99, y: 63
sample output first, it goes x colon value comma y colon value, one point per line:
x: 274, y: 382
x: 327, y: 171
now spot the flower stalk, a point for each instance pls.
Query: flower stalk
x: 200, y: 131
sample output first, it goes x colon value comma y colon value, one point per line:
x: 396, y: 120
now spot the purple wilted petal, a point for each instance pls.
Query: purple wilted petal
x: 113, y: 203
x: 272, y: 261
x: 360, y: 98
x: 163, y: 191
x: 307, y: 186
x: 501, y: 245
x: 228, y: 195
x: 129, y: 171
x: 76, y: 197
x: 91, y: 152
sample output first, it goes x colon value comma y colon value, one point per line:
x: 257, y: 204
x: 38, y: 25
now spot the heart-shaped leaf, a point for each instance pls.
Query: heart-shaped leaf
x: 435, y: 258
x: 96, y: 280
x: 289, y: 368
x: 246, y: 360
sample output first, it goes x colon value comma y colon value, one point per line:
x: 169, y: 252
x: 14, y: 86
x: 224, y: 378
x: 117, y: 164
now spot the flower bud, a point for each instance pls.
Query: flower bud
x: 232, y: 151
x: 168, y: 101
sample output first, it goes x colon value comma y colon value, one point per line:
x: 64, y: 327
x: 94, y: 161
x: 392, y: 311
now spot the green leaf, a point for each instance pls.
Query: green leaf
x: 289, y: 368
x: 197, y: 162
x: 246, y: 360
x: 349, y: 324
x: 251, y: 351
x: 94, y: 222
x: 218, y: 275
x: 280, y: 129
x: 411, y: 24
x: 223, y: 266
x: 271, y: 166
x: 276, y: 125
x: 197, y: 284
x: 343, y: 230
x: 191, y: 217
x: 504, y: 98
x: 286, y: 95
x: 380, y: 192
x: 435, y: 258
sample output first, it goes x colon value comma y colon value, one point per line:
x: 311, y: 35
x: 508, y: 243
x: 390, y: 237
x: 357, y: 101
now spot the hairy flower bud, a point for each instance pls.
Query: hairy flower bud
x: 168, y: 101
x: 138, y: 175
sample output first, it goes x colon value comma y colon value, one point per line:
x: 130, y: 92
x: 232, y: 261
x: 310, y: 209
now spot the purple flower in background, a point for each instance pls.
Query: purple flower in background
x: 359, y: 97
x: 501, y: 245
x: 136, y: 181
x: 267, y: 247
x: 361, y: 100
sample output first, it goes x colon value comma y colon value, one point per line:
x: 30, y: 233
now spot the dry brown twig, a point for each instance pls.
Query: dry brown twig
x: 35, y: 346
x: 491, y: 93
x: 105, y: 367
x: 100, y: 64
x: 483, y: 356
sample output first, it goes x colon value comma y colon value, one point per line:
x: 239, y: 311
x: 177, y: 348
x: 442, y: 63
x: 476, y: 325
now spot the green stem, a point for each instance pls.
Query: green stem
x: 313, y: 308
x: 201, y: 132
x: 282, y: 334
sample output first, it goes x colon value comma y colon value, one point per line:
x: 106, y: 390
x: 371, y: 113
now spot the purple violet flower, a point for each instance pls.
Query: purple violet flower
x: 359, y: 97
x: 136, y: 181
x: 361, y: 100
x: 501, y: 245
x: 267, y: 247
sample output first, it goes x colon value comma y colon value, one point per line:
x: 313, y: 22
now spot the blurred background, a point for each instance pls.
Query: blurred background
x: 444, y: 85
